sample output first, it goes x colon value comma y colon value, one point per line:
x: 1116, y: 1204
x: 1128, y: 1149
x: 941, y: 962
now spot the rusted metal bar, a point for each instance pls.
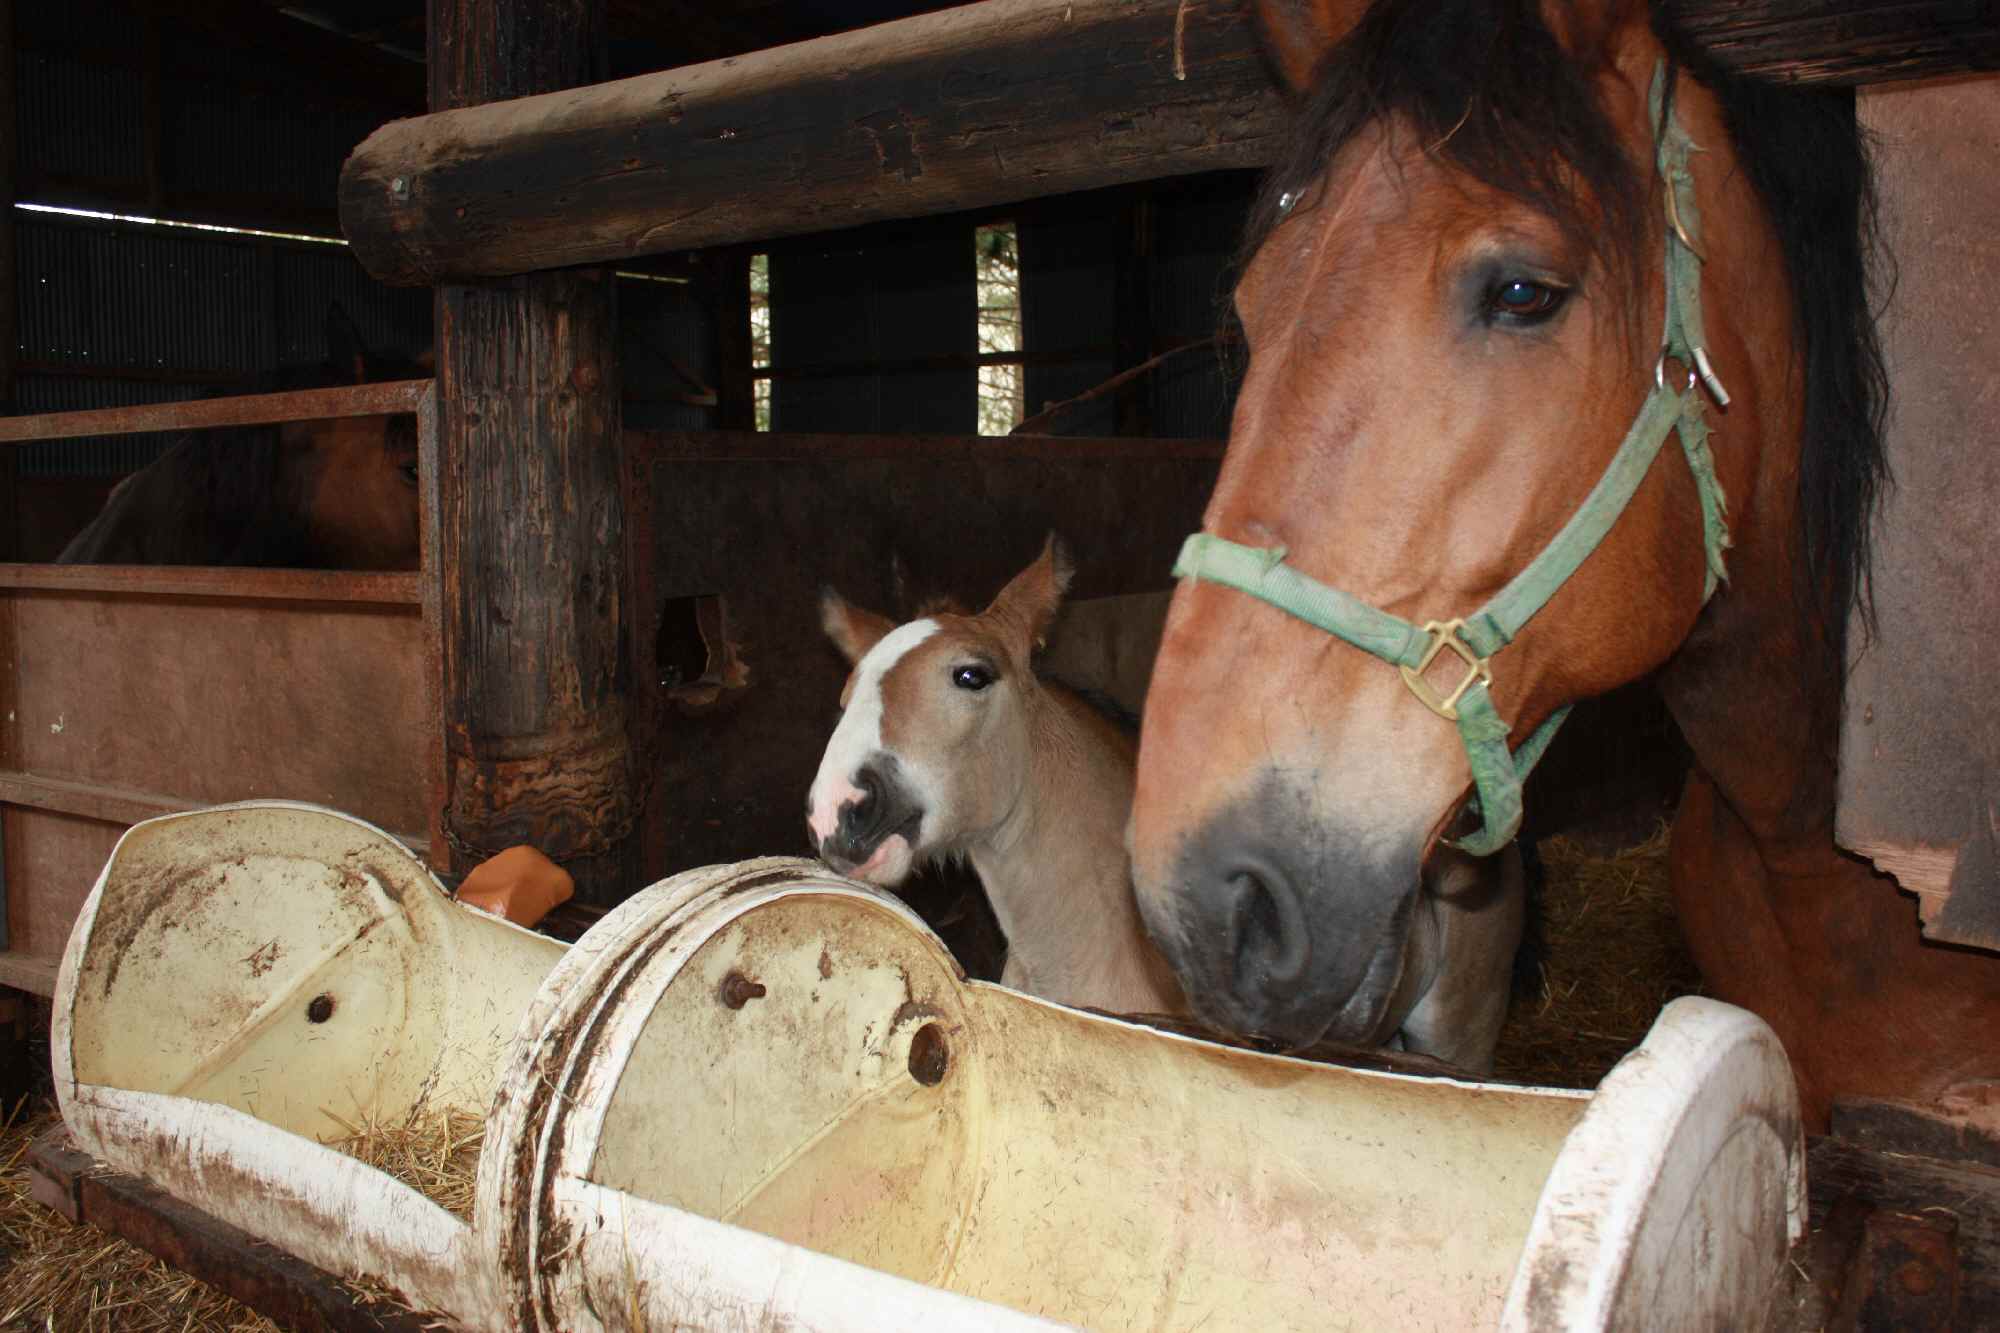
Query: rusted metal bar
x: 90, y: 800
x: 430, y: 578
x: 722, y: 446
x: 259, y: 409
x: 109, y: 804
x: 28, y: 972
x: 392, y: 588
x: 288, y: 1290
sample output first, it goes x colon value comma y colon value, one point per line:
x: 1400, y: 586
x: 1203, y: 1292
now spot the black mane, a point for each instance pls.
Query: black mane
x: 1491, y: 93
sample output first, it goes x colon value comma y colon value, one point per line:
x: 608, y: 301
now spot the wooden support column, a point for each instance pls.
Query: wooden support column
x: 530, y: 525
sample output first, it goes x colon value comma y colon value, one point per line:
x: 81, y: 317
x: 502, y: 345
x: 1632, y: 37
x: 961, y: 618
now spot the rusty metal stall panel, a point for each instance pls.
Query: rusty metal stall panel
x: 128, y: 692
x: 121, y: 707
x: 1920, y: 746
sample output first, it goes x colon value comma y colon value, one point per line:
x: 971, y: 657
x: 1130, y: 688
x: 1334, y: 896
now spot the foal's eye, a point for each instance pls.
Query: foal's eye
x: 1525, y: 300
x: 409, y: 471
x: 971, y: 677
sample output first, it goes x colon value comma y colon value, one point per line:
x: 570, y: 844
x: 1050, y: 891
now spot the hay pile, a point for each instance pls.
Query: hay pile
x: 57, y: 1276
x: 1614, y: 954
x: 434, y: 1152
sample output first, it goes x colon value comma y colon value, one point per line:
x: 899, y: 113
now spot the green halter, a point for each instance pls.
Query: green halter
x: 1497, y: 774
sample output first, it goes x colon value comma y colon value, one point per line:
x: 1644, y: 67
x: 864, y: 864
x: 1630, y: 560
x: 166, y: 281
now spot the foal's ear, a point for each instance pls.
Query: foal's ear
x: 1297, y: 34
x: 1031, y: 599
x: 853, y: 630
x: 346, y: 350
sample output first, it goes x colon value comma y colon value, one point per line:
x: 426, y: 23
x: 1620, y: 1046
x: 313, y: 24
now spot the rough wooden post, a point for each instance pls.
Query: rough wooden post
x: 530, y: 524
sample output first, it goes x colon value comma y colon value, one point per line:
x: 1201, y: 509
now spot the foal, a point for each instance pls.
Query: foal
x: 950, y: 745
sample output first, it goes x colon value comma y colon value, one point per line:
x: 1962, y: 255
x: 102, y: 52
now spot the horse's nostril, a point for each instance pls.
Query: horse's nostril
x: 1271, y: 944
x: 869, y: 783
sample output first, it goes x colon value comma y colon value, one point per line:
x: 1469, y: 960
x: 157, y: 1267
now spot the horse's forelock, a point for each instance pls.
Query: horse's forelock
x: 1486, y: 88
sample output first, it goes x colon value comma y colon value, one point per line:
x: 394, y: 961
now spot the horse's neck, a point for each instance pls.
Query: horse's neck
x: 1757, y: 695
x: 1057, y: 874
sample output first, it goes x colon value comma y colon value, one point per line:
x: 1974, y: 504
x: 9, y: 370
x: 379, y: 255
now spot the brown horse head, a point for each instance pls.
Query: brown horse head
x: 1453, y: 309
x: 356, y: 477
x: 935, y: 745
x: 331, y: 494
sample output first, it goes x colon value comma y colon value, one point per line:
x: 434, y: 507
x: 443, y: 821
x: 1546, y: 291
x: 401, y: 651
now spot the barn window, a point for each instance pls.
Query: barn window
x: 760, y: 338
x: 997, y: 278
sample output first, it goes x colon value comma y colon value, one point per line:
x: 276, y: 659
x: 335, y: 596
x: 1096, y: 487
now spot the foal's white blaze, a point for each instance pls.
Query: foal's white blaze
x: 854, y: 741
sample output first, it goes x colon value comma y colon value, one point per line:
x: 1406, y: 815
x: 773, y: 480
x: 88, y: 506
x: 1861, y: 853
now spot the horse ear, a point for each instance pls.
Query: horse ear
x: 1297, y: 34
x: 346, y: 350
x: 853, y: 630
x: 1031, y: 600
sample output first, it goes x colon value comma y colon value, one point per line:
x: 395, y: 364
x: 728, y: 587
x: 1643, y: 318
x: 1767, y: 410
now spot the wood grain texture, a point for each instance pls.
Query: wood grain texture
x: 980, y: 105
x: 1844, y: 42
x: 530, y: 522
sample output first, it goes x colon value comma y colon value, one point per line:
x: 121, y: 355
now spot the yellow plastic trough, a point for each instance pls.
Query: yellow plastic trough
x: 761, y: 1095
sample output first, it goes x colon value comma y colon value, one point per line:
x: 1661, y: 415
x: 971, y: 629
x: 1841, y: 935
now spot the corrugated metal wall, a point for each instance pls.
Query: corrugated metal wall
x: 886, y: 304
x: 229, y: 127
x: 665, y: 337
x: 114, y: 314
x: 1196, y: 226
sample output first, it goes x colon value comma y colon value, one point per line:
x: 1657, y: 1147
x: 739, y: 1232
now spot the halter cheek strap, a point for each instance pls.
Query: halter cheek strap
x: 1497, y: 773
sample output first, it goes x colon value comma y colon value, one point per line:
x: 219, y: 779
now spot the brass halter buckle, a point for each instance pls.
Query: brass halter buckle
x: 1478, y: 670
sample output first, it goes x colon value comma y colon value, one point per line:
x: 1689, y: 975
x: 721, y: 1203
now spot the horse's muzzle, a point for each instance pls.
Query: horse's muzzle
x: 1269, y: 939
x: 880, y: 810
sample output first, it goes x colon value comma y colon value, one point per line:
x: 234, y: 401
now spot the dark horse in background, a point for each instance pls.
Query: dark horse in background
x: 1454, y: 308
x: 335, y: 494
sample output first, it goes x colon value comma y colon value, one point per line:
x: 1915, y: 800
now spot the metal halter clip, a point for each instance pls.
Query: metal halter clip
x: 1479, y: 670
x: 1701, y: 369
x: 1660, y: 370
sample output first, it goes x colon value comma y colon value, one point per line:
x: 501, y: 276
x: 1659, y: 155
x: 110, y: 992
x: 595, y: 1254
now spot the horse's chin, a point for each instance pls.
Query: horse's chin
x: 888, y: 865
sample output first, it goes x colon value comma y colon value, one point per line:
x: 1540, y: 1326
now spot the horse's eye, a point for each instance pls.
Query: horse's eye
x: 409, y: 471
x: 1525, y: 300
x: 971, y: 677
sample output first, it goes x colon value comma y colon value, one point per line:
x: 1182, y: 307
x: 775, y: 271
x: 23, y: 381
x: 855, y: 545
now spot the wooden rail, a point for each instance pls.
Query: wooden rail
x: 259, y: 409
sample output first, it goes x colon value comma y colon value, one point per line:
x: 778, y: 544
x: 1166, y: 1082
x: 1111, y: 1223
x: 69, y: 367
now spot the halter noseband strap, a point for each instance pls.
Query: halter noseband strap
x: 1497, y: 774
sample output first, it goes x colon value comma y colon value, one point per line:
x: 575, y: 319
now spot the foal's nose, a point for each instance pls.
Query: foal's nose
x: 858, y: 823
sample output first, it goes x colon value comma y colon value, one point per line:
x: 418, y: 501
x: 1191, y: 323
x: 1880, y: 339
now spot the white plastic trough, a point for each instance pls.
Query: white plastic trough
x: 760, y: 1095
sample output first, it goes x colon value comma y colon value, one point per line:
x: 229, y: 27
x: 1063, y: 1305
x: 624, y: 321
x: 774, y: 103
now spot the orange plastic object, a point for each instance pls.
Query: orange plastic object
x: 519, y: 884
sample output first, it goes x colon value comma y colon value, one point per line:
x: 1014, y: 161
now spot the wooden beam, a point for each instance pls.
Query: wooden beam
x: 530, y: 524
x: 1843, y: 42
x: 970, y: 107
